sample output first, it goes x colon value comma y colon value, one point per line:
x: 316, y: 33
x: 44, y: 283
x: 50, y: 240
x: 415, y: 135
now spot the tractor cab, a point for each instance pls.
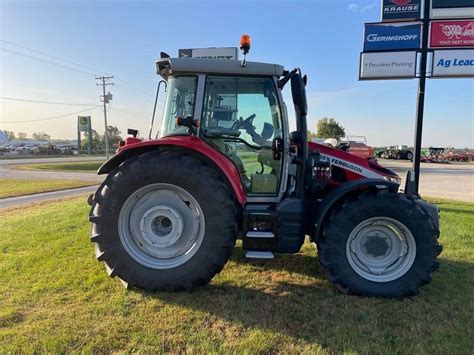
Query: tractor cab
x: 237, y: 110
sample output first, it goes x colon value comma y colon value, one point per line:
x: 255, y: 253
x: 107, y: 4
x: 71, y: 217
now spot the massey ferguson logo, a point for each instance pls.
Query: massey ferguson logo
x: 401, y: 9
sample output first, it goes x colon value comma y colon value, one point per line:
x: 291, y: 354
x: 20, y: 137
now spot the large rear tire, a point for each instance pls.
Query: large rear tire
x: 379, y: 244
x: 163, y: 221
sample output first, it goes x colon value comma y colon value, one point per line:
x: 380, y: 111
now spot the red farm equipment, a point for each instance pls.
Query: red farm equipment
x: 225, y: 166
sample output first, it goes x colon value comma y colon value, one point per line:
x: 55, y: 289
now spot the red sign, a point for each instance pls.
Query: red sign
x: 452, y: 34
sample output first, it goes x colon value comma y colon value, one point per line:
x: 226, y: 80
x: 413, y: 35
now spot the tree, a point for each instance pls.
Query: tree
x: 329, y: 128
x: 21, y: 135
x: 41, y: 136
x: 311, y: 135
x: 114, y: 134
x: 97, y: 140
x: 10, y: 135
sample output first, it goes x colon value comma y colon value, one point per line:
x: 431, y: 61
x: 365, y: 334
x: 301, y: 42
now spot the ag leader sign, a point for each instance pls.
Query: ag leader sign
x: 451, y: 34
x: 401, y: 10
x: 388, y: 65
x: 453, y: 63
x: 394, y: 36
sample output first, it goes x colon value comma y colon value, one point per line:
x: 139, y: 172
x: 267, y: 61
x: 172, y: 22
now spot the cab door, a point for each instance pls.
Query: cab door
x: 241, y: 117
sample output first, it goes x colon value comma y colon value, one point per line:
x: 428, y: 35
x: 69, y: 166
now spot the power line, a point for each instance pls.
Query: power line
x: 53, y: 117
x: 46, y: 61
x: 45, y: 102
x: 54, y: 57
x: 95, y: 71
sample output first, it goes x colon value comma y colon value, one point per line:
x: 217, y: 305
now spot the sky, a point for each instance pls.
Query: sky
x: 124, y: 38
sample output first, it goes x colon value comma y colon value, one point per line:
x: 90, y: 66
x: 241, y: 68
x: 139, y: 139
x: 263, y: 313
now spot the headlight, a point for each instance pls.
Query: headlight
x: 395, y: 180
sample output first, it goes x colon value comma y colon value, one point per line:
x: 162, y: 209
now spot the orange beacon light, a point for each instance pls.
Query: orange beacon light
x: 245, y: 43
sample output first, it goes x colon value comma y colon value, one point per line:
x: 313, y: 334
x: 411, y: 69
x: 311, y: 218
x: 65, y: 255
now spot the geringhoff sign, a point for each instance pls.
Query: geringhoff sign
x: 396, y: 36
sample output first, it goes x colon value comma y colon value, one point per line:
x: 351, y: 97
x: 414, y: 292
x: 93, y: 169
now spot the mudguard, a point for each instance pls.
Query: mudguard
x: 193, y: 146
x: 336, y: 194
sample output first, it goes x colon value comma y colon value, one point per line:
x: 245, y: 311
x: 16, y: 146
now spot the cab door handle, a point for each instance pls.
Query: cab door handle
x: 277, y: 148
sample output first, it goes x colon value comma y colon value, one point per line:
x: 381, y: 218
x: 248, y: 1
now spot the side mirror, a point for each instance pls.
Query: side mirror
x: 298, y: 91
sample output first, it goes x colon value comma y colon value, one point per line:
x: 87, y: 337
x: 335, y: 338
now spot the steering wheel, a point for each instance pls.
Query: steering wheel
x: 244, y: 123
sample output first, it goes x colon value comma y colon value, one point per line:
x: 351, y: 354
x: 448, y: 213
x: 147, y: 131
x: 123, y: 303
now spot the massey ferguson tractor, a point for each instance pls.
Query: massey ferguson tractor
x: 225, y: 166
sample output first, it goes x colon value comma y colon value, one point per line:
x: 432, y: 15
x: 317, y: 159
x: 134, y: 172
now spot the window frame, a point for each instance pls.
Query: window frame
x: 282, y: 179
x: 195, y: 104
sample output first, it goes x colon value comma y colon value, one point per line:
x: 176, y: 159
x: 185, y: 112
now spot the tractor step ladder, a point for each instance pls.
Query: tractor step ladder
x: 259, y: 234
x: 259, y: 255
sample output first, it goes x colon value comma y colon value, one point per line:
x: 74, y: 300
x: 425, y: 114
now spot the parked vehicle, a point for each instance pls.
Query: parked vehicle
x: 434, y: 155
x: 356, y: 145
x: 225, y: 166
x: 398, y: 152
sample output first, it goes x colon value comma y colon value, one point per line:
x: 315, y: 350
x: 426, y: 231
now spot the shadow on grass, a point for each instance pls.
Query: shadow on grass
x: 314, y: 312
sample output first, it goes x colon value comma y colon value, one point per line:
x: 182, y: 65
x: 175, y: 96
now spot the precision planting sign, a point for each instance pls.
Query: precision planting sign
x: 453, y: 63
x: 382, y: 37
x: 388, y: 65
x: 451, y: 34
x: 401, y: 10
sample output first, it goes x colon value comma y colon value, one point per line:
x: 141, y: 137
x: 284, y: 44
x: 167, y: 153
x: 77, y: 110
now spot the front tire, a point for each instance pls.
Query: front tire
x: 380, y: 244
x: 163, y: 221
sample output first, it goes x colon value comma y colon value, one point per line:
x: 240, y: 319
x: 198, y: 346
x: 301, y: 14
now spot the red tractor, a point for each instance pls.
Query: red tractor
x: 225, y: 166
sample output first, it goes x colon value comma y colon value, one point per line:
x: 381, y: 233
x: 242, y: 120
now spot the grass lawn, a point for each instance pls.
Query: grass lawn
x: 16, y: 187
x: 84, y: 166
x: 55, y: 297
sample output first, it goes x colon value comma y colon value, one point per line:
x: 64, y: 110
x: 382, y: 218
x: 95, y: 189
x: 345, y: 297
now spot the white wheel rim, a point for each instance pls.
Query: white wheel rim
x: 161, y: 226
x: 381, y: 249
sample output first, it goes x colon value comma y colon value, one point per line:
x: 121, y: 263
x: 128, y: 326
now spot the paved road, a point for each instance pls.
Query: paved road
x: 7, y: 170
x: 451, y: 181
x: 45, y: 196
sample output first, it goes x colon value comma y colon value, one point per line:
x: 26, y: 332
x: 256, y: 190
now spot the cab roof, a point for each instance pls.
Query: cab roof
x: 167, y: 67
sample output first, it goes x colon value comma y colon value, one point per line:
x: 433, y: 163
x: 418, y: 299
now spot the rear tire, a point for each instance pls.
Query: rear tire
x: 380, y: 244
x: 163, y: 221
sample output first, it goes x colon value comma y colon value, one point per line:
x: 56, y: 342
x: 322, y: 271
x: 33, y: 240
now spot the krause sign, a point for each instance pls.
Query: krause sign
x: 452, y: 9
x: 210, y: 53
x: 453, y: 63
x: 388, y: 65
x: 393, y: 10
x: 395, y: 36
x: 449, y: 34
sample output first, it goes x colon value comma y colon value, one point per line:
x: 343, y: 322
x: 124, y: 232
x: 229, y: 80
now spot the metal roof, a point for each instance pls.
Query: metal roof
x: 173, y: 66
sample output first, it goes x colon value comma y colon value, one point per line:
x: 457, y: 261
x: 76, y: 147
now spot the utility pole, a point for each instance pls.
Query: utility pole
x: 420, y: 106
x: 105, y: 99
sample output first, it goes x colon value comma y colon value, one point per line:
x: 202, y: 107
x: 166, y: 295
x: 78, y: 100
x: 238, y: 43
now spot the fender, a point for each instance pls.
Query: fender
x: 193, y: 146
x: 335, y: 195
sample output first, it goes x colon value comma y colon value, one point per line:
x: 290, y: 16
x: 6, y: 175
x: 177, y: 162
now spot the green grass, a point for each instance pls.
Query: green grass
x: 55, y: 297
x: 87, y: 166
x: 17, y: 187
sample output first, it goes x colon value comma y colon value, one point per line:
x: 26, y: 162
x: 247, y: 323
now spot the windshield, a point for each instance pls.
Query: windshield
x: 180, y: 102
